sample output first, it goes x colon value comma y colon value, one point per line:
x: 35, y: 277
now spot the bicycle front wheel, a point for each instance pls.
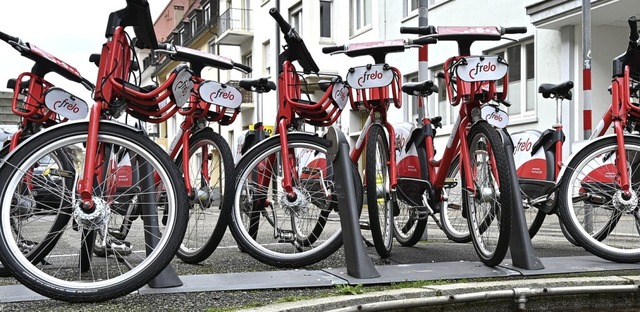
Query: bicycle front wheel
x: 489, y: 209
x: 130, y: 167
x: 210, y: 168
x: 303, y: 229
x: 378, y: 191
x: 593, y: 207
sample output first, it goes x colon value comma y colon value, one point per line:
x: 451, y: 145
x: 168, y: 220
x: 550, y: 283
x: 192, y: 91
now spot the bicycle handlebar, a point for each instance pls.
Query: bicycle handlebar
x: 633, y: 32
x: 331, y: 49
x: 284, y: 26
x: 423, y: 40
x: 7, y: 38
x: 513, y: 30
x: 243, y: 67
x: 422, y: 30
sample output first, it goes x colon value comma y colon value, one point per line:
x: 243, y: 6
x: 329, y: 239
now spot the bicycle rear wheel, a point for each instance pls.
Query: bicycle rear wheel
x: 592, y: 206
x: 206, y: 226
x: 133, y: 254
x: 378, y: 191
x: 307, y: 227
x: 489, y: 209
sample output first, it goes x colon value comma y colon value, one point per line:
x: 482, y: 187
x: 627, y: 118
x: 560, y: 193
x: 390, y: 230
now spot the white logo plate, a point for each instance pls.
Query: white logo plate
x: 495, y: 116
x: 482, y: 68
x: 374, y: 77
x: 66, y: 104
x: 215, y: 93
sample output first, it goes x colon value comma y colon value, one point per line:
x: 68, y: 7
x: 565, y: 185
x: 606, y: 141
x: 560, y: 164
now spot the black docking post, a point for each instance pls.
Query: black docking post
x: 168, y: 277
x: 522, y: 252
x: 359, y: 265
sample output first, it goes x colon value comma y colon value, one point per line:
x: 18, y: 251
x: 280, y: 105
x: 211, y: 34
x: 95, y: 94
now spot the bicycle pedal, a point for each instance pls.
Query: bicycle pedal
x: 286, y: 236
x: 113, y: 247
x: 450, y: 182
x: 420, y: 212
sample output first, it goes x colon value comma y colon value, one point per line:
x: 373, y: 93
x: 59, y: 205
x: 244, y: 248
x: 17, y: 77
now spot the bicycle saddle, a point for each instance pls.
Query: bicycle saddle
x: 260, y: 85
x: 561, y: 90
x: 423, y: 88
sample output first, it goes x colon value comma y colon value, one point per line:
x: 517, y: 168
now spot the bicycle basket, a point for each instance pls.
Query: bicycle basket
x: 28, y: 98
x: 323, y: 112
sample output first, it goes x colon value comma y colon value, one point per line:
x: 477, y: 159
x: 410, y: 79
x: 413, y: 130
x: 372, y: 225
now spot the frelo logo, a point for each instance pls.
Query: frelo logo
x: 70, y: 106
x: 523, y: 146
x: 183, y: 87
x: 495, y: 116
x: 221, y: 94
x: 369, y: 76
x: 480, y: 68
x: 342, y: 93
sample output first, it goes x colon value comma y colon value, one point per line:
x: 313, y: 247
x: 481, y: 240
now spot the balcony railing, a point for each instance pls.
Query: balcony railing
x: 235, y: 19
x: 247, y: 96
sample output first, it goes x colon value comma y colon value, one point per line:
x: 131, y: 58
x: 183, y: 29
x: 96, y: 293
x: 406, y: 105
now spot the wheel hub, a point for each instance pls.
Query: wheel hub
x: 95, y: 220
x: 301, y: 200
x: 626, y: 205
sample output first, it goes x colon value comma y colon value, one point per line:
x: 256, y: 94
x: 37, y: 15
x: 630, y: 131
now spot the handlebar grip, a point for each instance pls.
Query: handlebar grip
x: 242, y: 67
x: 422, y: 30
x: 284, y: 26
x: 633, y: 29
x: 7, y: 38
x: 424, y: 40
x: 514, y: 30
x: 331, y: 49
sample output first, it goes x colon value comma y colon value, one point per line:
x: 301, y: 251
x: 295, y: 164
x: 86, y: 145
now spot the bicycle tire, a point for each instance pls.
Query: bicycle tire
x: 206, y: 225
x: 452, y: 217
x: 55, y: 278
x: 284, y: 250
x: 41, y: 249
x: 486, y: 152
x: 591, y: 205
x: 378, y: 191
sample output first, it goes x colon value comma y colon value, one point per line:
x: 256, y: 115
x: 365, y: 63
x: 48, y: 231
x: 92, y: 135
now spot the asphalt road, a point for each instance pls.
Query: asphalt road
x: 227, y: 259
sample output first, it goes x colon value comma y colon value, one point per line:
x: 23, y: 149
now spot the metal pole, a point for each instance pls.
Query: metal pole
x: 423, y: 65
x: 277, y: 50
x: 586, y: 66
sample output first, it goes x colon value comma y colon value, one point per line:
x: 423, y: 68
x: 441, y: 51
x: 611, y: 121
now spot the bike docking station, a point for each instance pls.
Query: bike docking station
x: 168, y: 277
x: 522, y: 252
x: 359, y: 265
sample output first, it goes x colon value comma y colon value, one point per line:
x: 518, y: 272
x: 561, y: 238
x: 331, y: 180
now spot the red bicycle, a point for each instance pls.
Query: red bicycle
x: 377, y: 87
x: 89, y: 194
x: 472, y: 84
x: 283, y: 209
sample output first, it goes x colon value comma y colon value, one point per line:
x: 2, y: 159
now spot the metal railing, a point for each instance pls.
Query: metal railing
x: 235, y: 19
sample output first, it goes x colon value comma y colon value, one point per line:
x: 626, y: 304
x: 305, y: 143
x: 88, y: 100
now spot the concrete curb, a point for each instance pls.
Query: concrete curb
x: 448, y: 292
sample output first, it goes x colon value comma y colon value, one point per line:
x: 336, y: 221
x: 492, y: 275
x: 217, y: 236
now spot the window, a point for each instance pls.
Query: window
x: 360, y: 14
x: 266, y: 58
x: 247, y: 60
x: 522, y: 91
x: 409, y: 6
x: 411, y: 100
x: 442, y: 107
x: 325, y: 19
x: 206, y: 13
x: 212, y: 47
x: 182, y: 36
x: 194, y: 25
x: 295, y: 18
